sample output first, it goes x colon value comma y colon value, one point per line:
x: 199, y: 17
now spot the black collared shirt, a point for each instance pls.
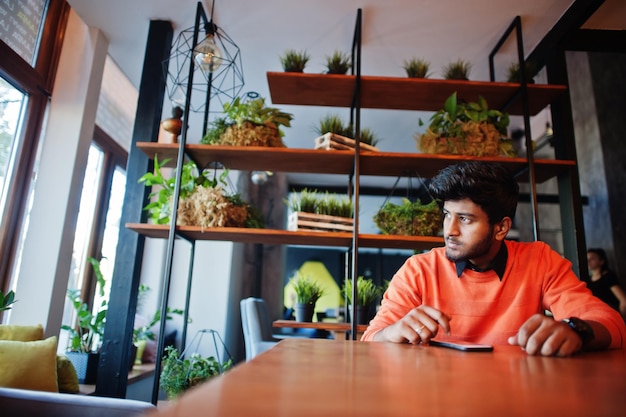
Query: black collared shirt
x: 497, y: 264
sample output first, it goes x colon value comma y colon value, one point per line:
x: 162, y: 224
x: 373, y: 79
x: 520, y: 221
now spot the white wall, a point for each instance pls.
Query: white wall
x: 48, y: 240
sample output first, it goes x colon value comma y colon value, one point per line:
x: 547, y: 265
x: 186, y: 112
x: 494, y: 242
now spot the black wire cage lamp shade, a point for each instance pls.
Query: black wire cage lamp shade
x: 204, y: 64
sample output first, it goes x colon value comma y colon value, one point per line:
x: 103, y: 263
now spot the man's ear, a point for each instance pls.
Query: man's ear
x: 502, y: 228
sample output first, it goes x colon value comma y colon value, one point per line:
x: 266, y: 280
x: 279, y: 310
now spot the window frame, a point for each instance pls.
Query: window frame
x: 114, y: 156
x: 37, y: 82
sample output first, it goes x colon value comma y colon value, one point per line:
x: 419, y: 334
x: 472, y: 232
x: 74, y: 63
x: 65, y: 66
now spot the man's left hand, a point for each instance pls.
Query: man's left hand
x: 542, y: 335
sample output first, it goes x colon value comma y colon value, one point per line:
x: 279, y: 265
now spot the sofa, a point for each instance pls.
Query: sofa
x: 35, y: 381
x: 27, y: 403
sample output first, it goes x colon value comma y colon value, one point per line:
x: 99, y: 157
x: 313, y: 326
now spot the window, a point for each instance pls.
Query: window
x: 29, y: 45
x: 12, y: 104
x: 98, y: 223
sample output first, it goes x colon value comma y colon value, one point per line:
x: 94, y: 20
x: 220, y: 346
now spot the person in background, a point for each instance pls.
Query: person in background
x: 481, y: 288
x: 603, y: 282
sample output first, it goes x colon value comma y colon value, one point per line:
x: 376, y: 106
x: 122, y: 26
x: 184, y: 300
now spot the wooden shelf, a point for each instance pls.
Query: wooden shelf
x: 396, y: 93
x: 284, y: 237
x: 395, y: 164
x: 324, y: 325
x: 391, y: 164
x: 253, y: 158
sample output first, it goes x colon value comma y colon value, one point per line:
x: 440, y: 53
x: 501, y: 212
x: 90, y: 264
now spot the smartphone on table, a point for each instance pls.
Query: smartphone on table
x: 464, y: 346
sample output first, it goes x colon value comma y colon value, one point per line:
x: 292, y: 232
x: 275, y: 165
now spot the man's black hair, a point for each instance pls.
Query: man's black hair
x: 489, y: 185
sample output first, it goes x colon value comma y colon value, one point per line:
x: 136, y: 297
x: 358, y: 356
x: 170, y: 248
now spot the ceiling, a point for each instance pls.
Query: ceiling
x: 440, y: 31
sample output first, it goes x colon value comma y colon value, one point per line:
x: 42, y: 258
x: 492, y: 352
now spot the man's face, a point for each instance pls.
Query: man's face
x: 467, y: 233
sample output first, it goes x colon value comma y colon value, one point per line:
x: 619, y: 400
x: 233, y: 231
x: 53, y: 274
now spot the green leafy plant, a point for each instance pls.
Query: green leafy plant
x: 203, y: 202
x: 366, y: 291
x: 338, y: 63
x: 467, y: 128
x: 144, y: 331
x: 294, y: 61
x: 6, y: 300
x: 85, y: 334
x: 409, y: 218
x: 160, y: 209
x: 457, y: 70
x: 248, y: 123
x: 416, y: 68
x: 307, y: 290
x: 179, y: 374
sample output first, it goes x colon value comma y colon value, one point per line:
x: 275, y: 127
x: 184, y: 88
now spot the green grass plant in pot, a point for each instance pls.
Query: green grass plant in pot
x: 308, y: 291
x: 457, y: 70
x: 513, y: 74
x: 338, y: 63
x: 294, y: 61
x: 332, y: 123
x: 367, y: 292
x: 416, y: 68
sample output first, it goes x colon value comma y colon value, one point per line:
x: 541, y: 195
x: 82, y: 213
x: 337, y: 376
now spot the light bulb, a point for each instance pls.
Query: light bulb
x: 207, y: 55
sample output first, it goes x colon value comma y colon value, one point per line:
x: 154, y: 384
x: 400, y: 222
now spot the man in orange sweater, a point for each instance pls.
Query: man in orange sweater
x: 482, y: 288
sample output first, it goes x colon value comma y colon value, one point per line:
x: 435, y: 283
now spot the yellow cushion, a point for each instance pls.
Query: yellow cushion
x: 66, y: 376
x: 29, y: 365
x: 21, y: 333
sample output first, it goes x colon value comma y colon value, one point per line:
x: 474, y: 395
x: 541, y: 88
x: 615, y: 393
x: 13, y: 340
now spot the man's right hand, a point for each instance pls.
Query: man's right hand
x: 419, y: 326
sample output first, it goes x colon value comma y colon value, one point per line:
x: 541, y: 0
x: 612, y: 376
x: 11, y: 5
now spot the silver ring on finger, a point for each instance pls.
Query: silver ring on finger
x: 420, y: 330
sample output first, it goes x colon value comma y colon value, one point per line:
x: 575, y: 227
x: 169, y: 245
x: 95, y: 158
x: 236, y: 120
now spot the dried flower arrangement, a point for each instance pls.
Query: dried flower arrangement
x: 248, y: 123
x: 203, y: 201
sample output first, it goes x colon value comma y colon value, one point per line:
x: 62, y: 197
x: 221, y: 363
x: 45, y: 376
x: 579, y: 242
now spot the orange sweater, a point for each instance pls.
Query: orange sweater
x: 487, y: 310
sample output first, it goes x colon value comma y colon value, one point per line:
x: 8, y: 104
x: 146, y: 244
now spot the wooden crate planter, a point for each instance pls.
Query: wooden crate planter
x: 330, y: 141
x: 319, y: 222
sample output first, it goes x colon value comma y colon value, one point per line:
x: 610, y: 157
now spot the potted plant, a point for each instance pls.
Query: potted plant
x: 338, y: 63
x: 416, y: 68
x: 143, y: 331
x: 87, y: 330
x: 337, y: 135
x: 366, y: 293
x: 467, y: 129
x: 179, y: 374
x: 6, y: 300
x: 248, y: 123
x: 312, y: 210
x: 308, y: 291
x: 457, y: 70
x: 294, y: 61
x: 203, y: 201
x: 513, y: 74
x: 409, y: 218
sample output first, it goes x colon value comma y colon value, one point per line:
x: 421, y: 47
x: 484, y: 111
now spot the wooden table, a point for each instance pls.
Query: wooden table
x: 317, y: 377
x: 340, y: 331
